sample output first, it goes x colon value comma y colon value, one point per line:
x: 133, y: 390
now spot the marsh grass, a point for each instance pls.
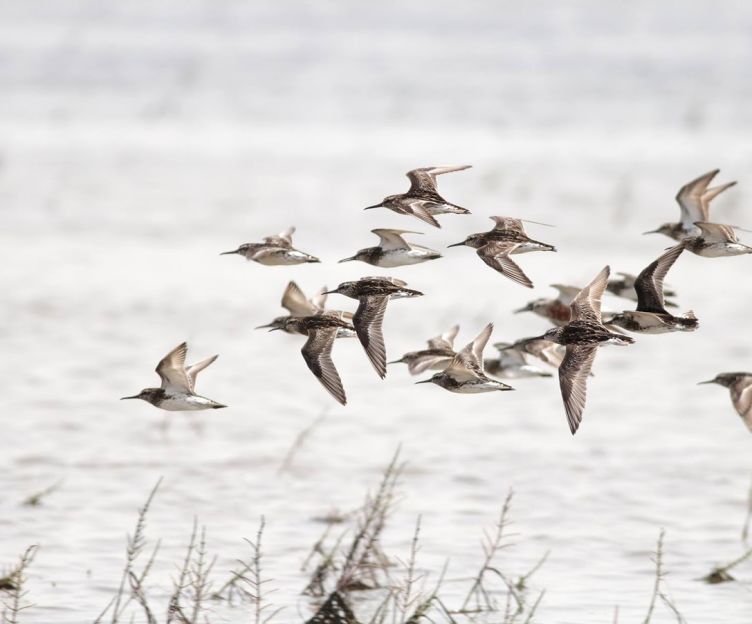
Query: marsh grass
x: 36, y: 499
x: 14, y: 584
x: 659, y: 589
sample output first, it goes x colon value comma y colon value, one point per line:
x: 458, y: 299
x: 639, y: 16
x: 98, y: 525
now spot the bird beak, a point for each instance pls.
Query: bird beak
x: 228, y: 253
x: 710, y: 381
x: 274, y: 328
x: 456, y: 245
x: 347, y: 259
x: 372, y: 207
x: 527, y: 308
x: 263, y: 326
x: 651, y: 232
x: 396, y: 361
x: 424, y: 381
x: 330, y: 292
x: 135, y: 396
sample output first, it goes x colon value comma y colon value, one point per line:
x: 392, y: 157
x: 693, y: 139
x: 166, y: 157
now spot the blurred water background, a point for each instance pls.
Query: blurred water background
x: 140, y: 139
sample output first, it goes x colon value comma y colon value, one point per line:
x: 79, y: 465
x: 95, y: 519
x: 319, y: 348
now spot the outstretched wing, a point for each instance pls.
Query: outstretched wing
x: 194, y: 369
x: 573, y: 374
x: 392, y: 239
x: 445, y: 340
x: 496, y: 255
x: 317, y: 353
x: 586, y: 306
x: 283, y: 239
x: 717, y: 232
x: 295, y: 301
x: 423, y: 180
x: 709, y: 195
x: 649, y: 283
x: 508, y: 224
x: 171, y: 369
x: 368, y: 321
x: 469, y: 361
x: 689, y: 198
x: 419, y: 209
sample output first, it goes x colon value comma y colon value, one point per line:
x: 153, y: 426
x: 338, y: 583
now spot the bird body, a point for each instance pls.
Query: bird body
x: 373, y: 294
x: 438, y: 356
x: 393, y: 250
x: 422, y: 200
x: 557, y: 310
x: 740, y: 388
x: 512, y: 364
x: 716, y: 240
x: 465, y: 374
x: 275, y: 250
x: 178, y: 381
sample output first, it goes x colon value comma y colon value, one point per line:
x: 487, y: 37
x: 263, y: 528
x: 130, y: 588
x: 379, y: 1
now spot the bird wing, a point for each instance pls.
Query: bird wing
x: 742, y: 400
x: 445, y: 340
x: 317, y: 353
x: 392, y: 239
x: 419, y: 210
x: 295, y: 301
x: 587, y: 304
x: 194, y: 369
x: 496, y: 255
x: 318, y: 301
x: 367, y: 321
x: 566, y: 293
x: 171, y: 369
x: 649, y: 283
x: 508, y: 224
x: 717, y: 232
x: 471, y: 356
x: 422, y: 364
x: 573, y: 374
x: 709, y: 195
x: 689, y: 198
x: 283, y: 239
x: 423, y: 180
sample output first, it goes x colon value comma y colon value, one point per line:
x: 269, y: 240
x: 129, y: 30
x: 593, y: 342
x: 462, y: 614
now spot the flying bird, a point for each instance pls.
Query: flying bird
x: 393, y: 250
x: 178, y: 383
x: 694, y: 203
x: 465, y: 374
x: 511, y: 363
x: 495, y: 247
x: 438, y: 356
x: 373, y: 293
x: 651, y: 316
x: 740, y: 387
x: 422, y: 200
x: 554, y: 310
x: 582, y: 336
x: 274, y: 250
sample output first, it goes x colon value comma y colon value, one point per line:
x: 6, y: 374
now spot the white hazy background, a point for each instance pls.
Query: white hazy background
x: 139, y: 139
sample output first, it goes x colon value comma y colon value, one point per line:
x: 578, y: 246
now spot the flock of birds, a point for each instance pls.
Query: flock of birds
x: 579, y: 325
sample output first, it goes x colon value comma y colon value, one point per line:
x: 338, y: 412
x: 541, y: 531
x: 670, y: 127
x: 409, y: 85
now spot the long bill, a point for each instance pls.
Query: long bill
x: 709, y: 381
x: 135, y: 396
x: 229, y: 253
x: 372, y: 207
x: 456, y: 244
x: 424, y: 381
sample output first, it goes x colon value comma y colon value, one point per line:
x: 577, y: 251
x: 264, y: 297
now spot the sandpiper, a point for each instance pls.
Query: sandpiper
x: 624, y: 286
x: 582, y: 336
x: 178, y: 382
x: 740, y: 386
x: 423, y: 200
x: 373, y: 293
x: 393, y: 250
x: 437, y: 357
x: 296, y: 303
x: 694, y: 202
x: 651, y: 316
x: 465, y: 373
x: 716, y: 240
x: 497, y: 245
x: 555, y: 310
x: 322, y: 330
x: 546, y: 351
x: 275, y: 250
x: 512, y: 364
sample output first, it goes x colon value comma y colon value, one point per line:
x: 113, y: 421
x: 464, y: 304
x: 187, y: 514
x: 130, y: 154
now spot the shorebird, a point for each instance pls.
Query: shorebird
x: 512, y: 364
x: 716, y: 240
x: 651, y: 316
x: 582, y: 336
x: 422, y: 200
x: 393, y: 250
x: 178, y: 382
x: 624, y: 287
x: 555, y: 310
x: 497, y: 245
x: 296, y: 303
x: 322, y: 330
x: 275, y: 250
x: 437, y: 357
x: 546, y: 351
x: 740, y: 386
x: 373, y: 293
x: 694, y: 202
x: 465, y: 373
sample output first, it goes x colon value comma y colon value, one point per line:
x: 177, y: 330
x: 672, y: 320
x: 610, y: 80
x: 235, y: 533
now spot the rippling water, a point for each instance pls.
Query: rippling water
x: 138, y: 140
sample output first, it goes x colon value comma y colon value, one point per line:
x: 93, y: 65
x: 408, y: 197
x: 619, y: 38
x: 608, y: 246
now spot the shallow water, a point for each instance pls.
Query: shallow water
x: 138, y: 141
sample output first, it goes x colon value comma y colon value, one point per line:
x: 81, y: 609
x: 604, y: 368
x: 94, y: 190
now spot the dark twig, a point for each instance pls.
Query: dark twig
x: 14, y: 583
